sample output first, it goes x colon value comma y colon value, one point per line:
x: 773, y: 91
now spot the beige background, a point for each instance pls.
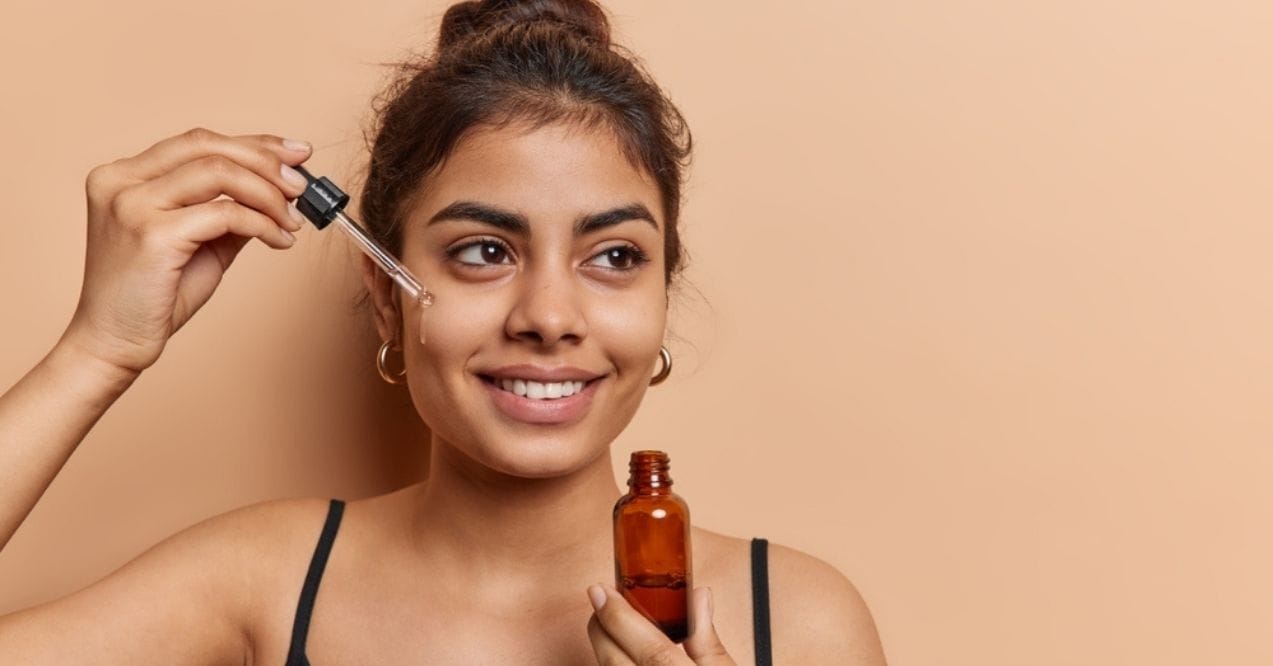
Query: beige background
x: 979, y: 310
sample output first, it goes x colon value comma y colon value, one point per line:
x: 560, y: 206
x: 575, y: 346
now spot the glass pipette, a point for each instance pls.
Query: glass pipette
x: 323, y: 203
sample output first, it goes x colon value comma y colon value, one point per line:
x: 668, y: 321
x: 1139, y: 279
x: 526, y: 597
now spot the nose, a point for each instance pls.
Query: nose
x: 548, y: 311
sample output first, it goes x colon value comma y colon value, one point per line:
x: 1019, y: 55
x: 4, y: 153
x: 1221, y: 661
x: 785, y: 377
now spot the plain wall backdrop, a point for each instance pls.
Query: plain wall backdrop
x: 978, y: 307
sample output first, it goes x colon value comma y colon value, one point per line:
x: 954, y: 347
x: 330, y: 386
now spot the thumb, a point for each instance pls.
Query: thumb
x: 703, y: 645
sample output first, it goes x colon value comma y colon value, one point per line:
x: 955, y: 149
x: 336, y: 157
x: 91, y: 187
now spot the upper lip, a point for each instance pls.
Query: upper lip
x: 541, y: 374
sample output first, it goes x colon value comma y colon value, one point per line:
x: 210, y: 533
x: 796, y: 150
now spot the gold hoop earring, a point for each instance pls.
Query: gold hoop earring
x: 381, y: 363
x: 666, y: 357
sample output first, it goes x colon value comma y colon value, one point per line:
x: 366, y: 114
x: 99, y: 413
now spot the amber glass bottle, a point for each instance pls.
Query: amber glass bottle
x: 652, y: 545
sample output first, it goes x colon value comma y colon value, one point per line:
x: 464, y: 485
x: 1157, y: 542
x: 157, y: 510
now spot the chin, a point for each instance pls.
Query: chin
x: 531, y: 451
x: 536, y: 455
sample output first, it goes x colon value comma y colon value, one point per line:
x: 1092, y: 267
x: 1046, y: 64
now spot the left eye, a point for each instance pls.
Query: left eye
x: 620, y: 258
x: 482, y: 254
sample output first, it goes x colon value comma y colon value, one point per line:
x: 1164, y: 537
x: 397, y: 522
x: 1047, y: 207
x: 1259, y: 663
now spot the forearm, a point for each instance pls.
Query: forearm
x: 43, y: 418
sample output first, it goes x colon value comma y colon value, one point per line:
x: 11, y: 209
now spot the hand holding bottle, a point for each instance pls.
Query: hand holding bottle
x: 622, y: 635
x: 163, y: 227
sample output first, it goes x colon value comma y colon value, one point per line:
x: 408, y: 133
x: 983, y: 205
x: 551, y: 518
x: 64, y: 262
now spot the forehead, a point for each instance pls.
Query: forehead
x: 550, y: 171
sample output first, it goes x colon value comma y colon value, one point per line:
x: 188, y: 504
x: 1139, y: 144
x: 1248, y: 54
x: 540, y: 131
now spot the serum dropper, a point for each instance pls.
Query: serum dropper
x: 323, y: 203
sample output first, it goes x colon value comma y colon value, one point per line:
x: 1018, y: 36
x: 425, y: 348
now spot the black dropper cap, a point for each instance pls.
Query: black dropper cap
x: 321, y: 199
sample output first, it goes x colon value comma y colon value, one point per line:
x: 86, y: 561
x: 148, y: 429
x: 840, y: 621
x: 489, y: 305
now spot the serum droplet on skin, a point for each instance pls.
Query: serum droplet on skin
x: 425, y: 300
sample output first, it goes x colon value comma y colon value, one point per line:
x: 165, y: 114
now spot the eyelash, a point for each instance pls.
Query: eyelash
x: 638, y: 257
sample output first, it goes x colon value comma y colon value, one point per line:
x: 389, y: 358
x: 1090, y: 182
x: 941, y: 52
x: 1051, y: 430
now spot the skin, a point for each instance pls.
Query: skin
x: 499, y: 557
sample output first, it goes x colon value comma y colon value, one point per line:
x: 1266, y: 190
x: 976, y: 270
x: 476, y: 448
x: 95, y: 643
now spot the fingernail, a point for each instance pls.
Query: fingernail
x: 597, y: 596
x: 711, y: 603
x: 296, y: 145
x: 291, y: 240
x: 296, y: 216
x: 293, y: 176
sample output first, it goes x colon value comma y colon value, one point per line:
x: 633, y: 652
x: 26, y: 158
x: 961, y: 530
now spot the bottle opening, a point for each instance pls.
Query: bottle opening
x: 648, y: 470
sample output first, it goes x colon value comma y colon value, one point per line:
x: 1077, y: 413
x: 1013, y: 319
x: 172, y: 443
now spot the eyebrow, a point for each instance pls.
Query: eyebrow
x: 518, y: 224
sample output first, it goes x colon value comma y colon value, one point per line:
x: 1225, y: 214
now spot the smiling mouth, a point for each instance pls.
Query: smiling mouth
x: 535, y: 390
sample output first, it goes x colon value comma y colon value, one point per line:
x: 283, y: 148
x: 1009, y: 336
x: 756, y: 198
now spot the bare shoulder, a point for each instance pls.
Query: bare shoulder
x: 244, y: 550
x: 266, y: 532
x: 818, y: 615
x: 212, y: 584
x: 262, y: 553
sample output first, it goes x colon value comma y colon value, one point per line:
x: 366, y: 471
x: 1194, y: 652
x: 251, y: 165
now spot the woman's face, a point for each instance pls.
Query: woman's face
x: 544, y: 249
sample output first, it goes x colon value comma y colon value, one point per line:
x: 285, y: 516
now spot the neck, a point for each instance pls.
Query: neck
x: 494, y: 522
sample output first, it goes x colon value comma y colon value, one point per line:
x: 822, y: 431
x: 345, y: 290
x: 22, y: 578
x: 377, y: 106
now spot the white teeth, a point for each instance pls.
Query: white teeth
x: 540, y: 390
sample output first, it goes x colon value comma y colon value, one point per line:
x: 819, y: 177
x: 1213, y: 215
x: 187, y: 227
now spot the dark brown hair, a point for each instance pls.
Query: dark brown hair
x: 533, y: 61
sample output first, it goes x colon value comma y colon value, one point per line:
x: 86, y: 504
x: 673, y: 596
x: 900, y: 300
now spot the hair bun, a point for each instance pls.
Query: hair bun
x: 475, y: 17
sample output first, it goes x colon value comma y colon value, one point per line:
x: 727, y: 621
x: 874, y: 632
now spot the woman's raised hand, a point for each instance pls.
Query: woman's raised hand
x: 621, y: 635
x: 163, y: 227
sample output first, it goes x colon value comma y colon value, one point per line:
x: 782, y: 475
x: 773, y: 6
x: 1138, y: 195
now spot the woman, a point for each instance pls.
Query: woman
x: 530, y: 174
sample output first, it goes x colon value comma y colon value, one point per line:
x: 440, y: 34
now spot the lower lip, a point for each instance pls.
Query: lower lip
x: 542, y: 412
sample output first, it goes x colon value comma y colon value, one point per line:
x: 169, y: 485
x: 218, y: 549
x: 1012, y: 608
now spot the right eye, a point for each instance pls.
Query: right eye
x: 484, y: 252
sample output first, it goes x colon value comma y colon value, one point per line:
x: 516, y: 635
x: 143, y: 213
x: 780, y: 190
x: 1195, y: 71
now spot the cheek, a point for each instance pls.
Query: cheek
x: 629, y: 328
x: 450, y: 330
x: 454, y: 327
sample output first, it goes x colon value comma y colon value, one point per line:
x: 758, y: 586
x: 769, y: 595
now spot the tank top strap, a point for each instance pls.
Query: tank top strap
x: 760, y: 601
x: 305, y: 607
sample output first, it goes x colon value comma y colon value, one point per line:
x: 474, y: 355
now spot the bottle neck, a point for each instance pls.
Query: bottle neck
x: 648, y: 473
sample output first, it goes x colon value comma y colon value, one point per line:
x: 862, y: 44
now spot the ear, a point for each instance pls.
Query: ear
x: 384, y: 303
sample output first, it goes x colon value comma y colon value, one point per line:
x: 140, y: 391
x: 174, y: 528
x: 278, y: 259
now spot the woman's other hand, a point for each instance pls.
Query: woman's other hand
x: 163, y: 227
x: 621, y: 635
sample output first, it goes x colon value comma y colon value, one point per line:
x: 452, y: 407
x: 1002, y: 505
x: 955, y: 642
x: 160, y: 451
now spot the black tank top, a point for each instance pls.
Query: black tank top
x: 300, y: 626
